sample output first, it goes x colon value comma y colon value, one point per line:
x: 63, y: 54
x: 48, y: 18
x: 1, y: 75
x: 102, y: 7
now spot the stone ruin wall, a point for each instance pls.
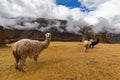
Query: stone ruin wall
x: 2, y: 37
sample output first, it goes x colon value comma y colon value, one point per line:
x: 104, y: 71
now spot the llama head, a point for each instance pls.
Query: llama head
x: 48, y: 35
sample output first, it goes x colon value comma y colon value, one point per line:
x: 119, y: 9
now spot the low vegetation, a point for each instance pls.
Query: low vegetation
x: 65, y: 61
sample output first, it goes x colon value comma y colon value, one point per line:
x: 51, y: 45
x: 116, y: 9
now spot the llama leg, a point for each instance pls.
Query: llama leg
x: 85, y: 48
x: 16, y: 59
x: 90, y: 46
x: 21, y: 64
x: 16, y: 65
x: 36, y: 58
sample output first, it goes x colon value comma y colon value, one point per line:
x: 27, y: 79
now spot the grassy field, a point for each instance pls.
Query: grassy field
x: 65, y: 61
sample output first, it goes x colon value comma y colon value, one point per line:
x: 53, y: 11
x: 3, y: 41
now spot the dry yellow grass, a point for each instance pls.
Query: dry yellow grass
x: 65, y: 61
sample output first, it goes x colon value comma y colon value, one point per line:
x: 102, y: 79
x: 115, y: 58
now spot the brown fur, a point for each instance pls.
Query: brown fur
x: 28, y: 48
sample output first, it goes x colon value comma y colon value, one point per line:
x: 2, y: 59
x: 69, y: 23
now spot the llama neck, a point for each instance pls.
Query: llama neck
x: 96, y: 42
x: 46, y: 42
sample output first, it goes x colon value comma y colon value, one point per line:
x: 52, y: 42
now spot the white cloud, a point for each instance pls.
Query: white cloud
x: 62, y: 12
x: 108, y: 9
x: 27, y: 8
x: 92, y: 3
x: 105, y: 16
x: 106, y: 13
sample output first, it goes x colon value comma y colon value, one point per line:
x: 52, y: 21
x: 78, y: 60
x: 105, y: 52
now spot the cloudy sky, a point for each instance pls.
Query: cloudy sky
x: 103, y: 14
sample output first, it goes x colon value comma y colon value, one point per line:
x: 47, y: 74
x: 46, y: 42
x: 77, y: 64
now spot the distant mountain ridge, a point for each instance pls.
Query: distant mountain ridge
x: 59, y: 32
x: 16, y: 34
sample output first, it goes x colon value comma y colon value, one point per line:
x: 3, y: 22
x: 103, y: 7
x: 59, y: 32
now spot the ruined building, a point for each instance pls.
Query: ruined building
x: 2, y: 37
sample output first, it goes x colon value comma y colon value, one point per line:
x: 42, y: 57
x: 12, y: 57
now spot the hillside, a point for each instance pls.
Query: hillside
x: 65, y: 61
x: 36, y: 28
x: 60, y: 30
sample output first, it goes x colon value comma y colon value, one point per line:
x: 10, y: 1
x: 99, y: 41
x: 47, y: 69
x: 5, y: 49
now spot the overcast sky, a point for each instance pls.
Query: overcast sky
x: 100, y: 13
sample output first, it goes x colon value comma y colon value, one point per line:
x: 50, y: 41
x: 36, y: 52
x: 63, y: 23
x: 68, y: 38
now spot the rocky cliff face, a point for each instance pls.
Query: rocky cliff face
x: 14, y: 35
